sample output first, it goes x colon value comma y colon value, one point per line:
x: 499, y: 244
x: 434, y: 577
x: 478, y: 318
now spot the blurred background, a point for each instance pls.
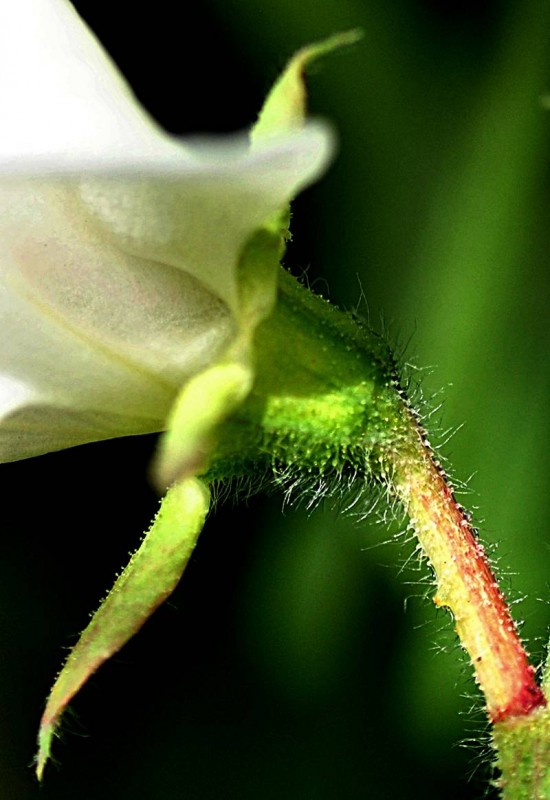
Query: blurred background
x: 300, y: 658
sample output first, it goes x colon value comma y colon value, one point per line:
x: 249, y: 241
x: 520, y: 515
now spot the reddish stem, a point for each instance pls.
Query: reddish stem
x: 466, y: 585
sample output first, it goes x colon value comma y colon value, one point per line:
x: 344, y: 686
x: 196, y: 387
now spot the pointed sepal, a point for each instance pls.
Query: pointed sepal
x: 285, y: 107
x: 150, y: 577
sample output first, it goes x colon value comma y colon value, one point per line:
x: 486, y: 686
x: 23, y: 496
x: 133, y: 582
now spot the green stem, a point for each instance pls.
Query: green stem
x: 523, y: 756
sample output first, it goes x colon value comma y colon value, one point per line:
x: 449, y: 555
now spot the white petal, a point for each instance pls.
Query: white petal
x: 87, y: 328
x: 65, y: 108
x: 60, y: 94
x: 38, y: 427
x: 200, y: 219
x: 67, y: 112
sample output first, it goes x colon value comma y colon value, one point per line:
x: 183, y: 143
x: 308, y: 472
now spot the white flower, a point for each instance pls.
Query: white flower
x: 120, y: 246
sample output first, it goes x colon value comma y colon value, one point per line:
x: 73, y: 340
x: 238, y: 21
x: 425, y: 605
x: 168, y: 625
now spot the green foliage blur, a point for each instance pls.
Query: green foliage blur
x: 301, y: 657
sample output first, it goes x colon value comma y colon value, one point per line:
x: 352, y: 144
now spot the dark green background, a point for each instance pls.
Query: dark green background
x: 312, y: 664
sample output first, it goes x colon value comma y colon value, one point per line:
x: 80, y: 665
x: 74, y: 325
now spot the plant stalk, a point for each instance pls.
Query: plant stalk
x: 466, y: 585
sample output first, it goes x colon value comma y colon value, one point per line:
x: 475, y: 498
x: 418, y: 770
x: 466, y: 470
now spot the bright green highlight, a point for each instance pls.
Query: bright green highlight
x: 325, y: 398
x: 150, y: 577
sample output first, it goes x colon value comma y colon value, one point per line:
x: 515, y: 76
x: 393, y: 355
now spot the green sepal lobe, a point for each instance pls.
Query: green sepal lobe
x: 150, y: 577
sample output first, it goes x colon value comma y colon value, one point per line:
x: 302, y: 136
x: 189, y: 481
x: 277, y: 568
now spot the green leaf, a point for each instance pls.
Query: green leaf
x: 150, y: 577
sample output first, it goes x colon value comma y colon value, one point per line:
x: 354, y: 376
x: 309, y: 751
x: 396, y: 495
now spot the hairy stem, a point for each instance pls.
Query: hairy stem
x: 467, y: 586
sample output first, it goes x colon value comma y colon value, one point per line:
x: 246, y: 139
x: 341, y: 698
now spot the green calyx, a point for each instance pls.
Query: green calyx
x: 325, y: 398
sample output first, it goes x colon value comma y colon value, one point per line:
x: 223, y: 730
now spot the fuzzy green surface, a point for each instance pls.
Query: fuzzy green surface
x: 326, y: 397
x: 524, y: 756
